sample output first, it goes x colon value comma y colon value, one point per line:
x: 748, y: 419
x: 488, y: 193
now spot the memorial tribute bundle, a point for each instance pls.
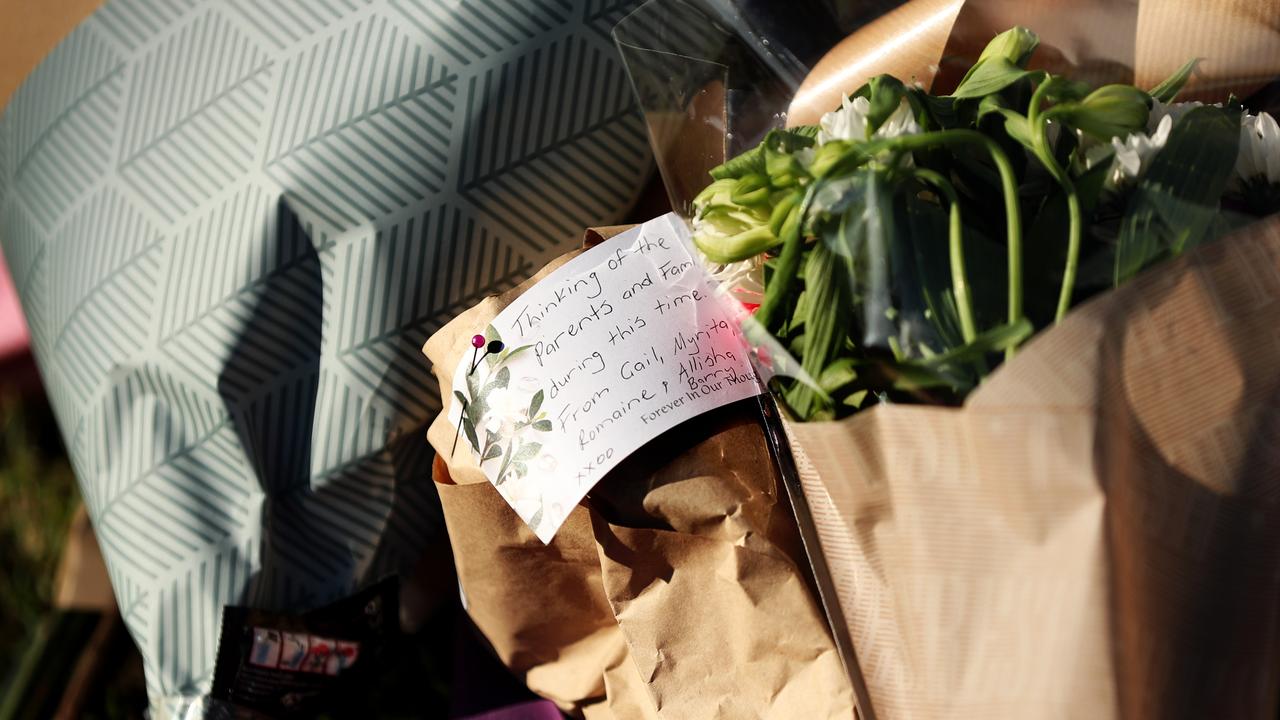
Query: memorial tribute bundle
x: 1012, y: 275
x: 1028, y: 326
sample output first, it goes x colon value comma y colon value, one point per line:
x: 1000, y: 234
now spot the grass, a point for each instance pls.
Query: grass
x: 37, y: 498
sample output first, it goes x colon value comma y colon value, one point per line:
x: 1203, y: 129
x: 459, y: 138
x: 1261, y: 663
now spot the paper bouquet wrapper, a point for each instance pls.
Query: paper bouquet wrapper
x: 1096, y: 533
x: 1102, y: 41
x: 674, y: 591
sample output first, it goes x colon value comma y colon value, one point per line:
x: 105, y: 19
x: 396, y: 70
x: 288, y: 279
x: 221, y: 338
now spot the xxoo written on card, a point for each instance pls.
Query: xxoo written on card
x: 615, y: 347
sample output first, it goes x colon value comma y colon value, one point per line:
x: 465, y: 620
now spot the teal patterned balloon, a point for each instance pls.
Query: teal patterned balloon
x: 233, y: 223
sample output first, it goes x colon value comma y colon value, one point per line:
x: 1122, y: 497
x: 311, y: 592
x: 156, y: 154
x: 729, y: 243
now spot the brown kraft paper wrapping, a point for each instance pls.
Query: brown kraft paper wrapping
x: 1097, y: 532
x: 1101, y: 41
x: 675, y: 591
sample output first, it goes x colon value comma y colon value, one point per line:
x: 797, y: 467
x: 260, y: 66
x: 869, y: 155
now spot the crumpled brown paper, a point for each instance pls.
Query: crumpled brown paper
x: 1100, y: 41
x: 700, y: 555
x: 674, y: 591
x: 1096, y: 533
x: 540, y: 606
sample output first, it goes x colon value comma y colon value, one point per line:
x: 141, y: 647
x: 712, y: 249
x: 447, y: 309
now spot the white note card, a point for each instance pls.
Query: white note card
x: 613, y: 348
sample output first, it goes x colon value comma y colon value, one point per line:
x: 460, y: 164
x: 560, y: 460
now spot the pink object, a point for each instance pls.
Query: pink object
x: 14, y: 338
x: 477, y: 341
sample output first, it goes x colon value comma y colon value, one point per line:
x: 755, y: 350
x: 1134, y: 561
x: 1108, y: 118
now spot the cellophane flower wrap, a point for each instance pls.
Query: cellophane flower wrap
x: 1014, y: 270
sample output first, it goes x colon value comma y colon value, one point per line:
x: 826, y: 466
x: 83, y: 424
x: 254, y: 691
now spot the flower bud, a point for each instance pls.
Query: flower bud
x: 1110, y: 111
x: 1015, y: 45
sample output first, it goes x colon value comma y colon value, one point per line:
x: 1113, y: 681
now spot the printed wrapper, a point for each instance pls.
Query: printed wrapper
x: 675, y: 590
x: 1096, y: 533
x: 229, y: 224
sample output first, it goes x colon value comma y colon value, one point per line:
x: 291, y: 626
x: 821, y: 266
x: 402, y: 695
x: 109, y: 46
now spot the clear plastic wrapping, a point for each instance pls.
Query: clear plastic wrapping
x: 959, y: 173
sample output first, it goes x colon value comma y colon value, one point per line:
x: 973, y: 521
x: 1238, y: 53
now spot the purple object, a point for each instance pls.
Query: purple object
x: 483, y: 688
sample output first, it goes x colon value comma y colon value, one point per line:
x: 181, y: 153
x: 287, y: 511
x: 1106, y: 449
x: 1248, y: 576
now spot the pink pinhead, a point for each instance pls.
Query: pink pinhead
x: 477, y: 341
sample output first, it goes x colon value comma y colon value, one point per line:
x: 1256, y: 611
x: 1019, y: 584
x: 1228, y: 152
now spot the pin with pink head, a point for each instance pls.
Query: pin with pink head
x: 490, y: 347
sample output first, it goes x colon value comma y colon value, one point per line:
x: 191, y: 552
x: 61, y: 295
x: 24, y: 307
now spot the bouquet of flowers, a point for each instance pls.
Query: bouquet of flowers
x: 889, y: 237
x: 1021, y: 322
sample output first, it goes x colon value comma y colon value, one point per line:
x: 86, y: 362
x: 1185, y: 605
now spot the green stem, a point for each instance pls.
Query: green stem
x: 1008, y: 186
x: 959, y: 279
x: 784, y: 274
x: 1040, y: 142
x: 1073, y: 251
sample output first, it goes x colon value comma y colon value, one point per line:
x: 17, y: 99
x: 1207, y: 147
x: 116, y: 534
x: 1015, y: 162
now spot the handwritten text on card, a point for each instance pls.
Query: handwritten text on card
x: 607, y: 352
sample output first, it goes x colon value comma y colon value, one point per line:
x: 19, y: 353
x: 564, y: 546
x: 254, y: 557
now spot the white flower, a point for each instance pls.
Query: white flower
x: 547, y: 462
x: 505, y: 409
x: 743, y: 280
x: 1132, y: 156
x: 850, y: 122
x: 1259, y: 149
x: 1159, y: 111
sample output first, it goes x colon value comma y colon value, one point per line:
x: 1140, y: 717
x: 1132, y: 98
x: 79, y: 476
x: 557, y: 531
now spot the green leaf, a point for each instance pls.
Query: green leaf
x: 988, y: 76
x: 1166, y: 91
x: 493, y: 452
x: 809, y: 132
x: 752, y: 162
x: 884, y: 94
x: 462, y: 400
x: 826, y: 325
x: 535, y: 404
x: 542, y: 426
x: 933, y: 112
x: 491, y: 334
x: 1015, y: 125
x: 513, y: 352
x: 838, y: 374
x: 748, y: 163
x: 950, y: 369
x: 470, y: 430
x: 478, y: 406
x: 520, y: 468
x: 855, y: 399
x: 750, y: 189
x: 1175, y: 203
x: 924, y: 229
x: 1060, y: 88
x: 778, y: 286
x: 502, y: 378
x: 834, y: 154
x: 992, y: 341
x: 528, y: 451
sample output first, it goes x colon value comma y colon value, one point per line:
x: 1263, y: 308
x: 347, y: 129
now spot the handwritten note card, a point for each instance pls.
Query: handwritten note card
x: 615, y: 347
